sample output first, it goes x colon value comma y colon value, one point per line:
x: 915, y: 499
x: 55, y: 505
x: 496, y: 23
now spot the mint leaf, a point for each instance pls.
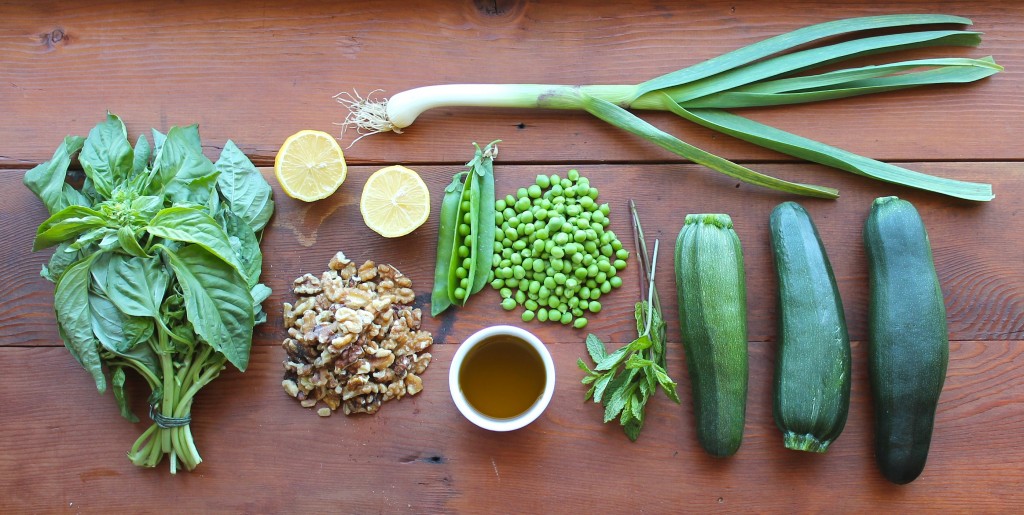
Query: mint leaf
x: 596, y: 348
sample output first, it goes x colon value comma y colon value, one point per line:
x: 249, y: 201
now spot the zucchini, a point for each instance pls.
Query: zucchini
x: 908, y: 337
x: 713, y: 318
x: 812, y: 371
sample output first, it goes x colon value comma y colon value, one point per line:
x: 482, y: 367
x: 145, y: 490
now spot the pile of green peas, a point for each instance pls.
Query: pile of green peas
x: 552, y: 252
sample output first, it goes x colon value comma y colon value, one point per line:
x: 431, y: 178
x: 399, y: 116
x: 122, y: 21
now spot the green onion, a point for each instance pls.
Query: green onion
x: 761, y: 74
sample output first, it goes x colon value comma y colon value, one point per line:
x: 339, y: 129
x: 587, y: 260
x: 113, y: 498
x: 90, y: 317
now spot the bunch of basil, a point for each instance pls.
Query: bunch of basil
x: 157, y: 268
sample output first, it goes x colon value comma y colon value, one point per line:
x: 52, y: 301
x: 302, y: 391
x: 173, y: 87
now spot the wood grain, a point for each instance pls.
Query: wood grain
x: 260, y: 72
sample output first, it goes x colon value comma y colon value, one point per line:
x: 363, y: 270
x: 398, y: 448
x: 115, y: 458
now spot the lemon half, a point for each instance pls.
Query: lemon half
x: 395, y: 201
x: 310, y: 165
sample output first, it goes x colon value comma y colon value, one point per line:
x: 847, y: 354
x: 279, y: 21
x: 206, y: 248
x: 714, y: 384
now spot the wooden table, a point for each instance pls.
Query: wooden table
x: 257, y: 72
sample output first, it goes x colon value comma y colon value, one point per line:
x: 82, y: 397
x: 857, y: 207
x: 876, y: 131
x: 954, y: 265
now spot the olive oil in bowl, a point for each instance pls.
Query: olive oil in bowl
x: 502, y: 376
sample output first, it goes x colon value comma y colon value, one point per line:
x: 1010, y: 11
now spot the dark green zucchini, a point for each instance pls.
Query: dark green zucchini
x: 812, y: 370
x: 909, y: 342
x: 713, y: 317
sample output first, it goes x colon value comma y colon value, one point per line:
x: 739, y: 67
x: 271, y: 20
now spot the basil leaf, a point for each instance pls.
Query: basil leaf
x: 244, y: 244
x: 71, y: 303
x: 116, y: 331
x: 61, y: 259
x: 117, y: 380
x: 195, y: 182
x: 107, y: 157
x: 126, y: 237
x: 191, y: 225
x: 136, y: 286
x: 173, y: 151
x: 66, y: 224
x: 158, y: 141
x: 243, y: 187
x: 218, y: 305
x: 47, y: 180
x: 141, y: 155
x: 147, y: 206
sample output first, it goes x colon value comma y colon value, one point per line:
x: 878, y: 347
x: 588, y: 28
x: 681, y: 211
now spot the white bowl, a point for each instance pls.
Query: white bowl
x: 501, y: 424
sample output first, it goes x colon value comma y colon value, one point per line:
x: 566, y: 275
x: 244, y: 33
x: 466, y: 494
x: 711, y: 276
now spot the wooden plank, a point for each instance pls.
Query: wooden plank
x: 264, y: 453
x: 978, y: 262
x: 258, y: 75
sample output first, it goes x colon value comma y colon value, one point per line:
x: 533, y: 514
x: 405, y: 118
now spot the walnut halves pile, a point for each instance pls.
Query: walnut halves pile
x: 354, y: 339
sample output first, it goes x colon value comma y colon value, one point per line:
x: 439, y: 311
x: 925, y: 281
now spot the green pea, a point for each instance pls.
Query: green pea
x: 573, y: 302
x: 518, y: 272
x: 554, y: 302
x: 559, y: 278
x: 520, y: 297
x: 539, y: 265
x: 573, y: 210
x: 592, y: 193
x: 549, y: 283
x: 603, y: 265
x: 556, y: 264
x: 587, y: 203
x: 543, y: 181
x: 616, y: 244
x: 463, y: 230
x: 557, y: 252
x: 579, y: 323
x: 505, y: 292
x: 499, y: 218
x: 566, y: 318
x: 498, y: 283
x: 619, y: 264
x: 573, y: 175
x: 460, y: 293
x: 508, y: 212
x: 595, y: 293
x: 582, y: 223
x: 461, y: 273
x: 580, y: 273
x: 554, y: 315
x: 534, y: 191
x: 606, y: 287
x: 577, y: 312
x: 622, y: 254
x: 601, y: 277
x: 582, y: 190
x: 593, y: 270
x: 580, y: 236
x: 578, y: 258
x: 616, y: 282
x: 530, y: 304
x: 543, y: 292
x: 607, y: 251
x: 540, y: 213
x: 505, y: 242
x: 556, y: 191
x: 526, y: 217
x: 542, y: 315
x: 591, y: 234
x: 597, y: 216
x: 519, y: 245
x: 508, y: 303
x: 528, y: 315
x: 594, y: 306
x: 605, y: 210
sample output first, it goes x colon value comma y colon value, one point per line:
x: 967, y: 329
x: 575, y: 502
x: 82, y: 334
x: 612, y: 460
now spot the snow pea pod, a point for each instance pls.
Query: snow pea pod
x: 463, y: 238
x: 439, y: 299
x: 484, y: 233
